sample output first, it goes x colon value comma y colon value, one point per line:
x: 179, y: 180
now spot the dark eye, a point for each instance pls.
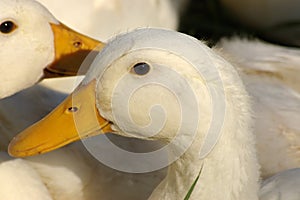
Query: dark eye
x: 73, y: 109
x: 141, y: 68
x: 7, y: 27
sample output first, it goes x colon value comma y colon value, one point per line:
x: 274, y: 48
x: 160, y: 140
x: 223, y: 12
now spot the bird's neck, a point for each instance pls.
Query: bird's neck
x: 231, y: 170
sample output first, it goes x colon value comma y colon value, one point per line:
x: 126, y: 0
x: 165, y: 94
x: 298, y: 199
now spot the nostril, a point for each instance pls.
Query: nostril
x: 77, y: 44
x: 73, y: 109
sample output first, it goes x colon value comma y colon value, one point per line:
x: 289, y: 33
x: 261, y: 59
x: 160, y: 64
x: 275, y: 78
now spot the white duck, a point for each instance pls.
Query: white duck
x: 30, y: 54
x: 194, y: 102
x: 27, y: 29
x: 67, y: 173
x: 122, y: 15
x: 270, y: 73
x: 34, y: 45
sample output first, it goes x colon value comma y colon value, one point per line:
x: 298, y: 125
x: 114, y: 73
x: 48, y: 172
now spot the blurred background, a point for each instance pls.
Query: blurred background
x: 275, y: 21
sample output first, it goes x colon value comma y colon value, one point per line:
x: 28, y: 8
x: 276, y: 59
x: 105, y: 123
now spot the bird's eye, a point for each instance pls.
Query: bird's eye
x: 7, y: 27
x: 141, y: 68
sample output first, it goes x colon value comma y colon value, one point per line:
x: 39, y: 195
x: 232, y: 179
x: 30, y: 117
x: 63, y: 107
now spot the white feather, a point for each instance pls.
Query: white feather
x: 32, y: 36
x: 270, y: 74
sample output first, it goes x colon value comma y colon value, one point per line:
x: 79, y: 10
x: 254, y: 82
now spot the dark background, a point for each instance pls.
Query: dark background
x: 208, y: 20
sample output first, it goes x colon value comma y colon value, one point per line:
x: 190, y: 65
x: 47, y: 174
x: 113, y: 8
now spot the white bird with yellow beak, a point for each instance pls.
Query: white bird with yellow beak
x: 27, y: 29
x: 162, y: 85
x: 35, y: 46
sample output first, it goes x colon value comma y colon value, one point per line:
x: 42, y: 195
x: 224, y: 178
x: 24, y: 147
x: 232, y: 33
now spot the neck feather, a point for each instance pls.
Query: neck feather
x: 231, y: 170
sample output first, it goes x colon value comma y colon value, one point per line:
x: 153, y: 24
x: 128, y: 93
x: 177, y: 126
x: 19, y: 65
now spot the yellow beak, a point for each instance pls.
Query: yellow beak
x: 71, y: 50
x: 75, y: 118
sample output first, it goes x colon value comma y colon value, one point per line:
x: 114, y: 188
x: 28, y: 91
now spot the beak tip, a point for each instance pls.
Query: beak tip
x: 17, y: 149
x: 13, y: 149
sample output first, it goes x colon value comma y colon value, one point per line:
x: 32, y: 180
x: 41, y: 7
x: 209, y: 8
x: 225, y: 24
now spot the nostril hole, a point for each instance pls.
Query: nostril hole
x: 73, y: 109
x: 77, y: 44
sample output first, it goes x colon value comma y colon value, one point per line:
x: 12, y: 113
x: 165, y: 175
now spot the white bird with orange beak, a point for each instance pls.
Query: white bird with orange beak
x: 34, y: 45
x: 26, y: 29
x: 162, y: 85
x: 159, y: 85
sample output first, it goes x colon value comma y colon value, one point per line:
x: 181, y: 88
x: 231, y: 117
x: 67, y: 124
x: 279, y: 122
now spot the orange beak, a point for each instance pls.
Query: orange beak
x: 75, y: 118
x: 74, y: 52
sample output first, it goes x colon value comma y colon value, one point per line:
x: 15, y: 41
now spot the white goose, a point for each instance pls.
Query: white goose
x: 194, y: 102
x: 270, y: 73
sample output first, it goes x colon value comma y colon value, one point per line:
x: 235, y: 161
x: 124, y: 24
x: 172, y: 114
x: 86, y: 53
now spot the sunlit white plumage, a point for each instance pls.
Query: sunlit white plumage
x: 26, y: 51
x: 233, y: 158
x: 230, y: 170
x: 20, y: 181
x: 25, y: 41
x: 62, y: 159
x: 56, y: 175
x: 34, y: 44
x: 270, y: 74
x: 69, y: 172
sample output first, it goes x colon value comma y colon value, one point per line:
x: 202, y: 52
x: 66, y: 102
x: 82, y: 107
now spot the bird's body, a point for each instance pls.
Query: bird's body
x: 284, y: 185
x: 270, y: 74
x: 19, y: 180
x: 121, y: 14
